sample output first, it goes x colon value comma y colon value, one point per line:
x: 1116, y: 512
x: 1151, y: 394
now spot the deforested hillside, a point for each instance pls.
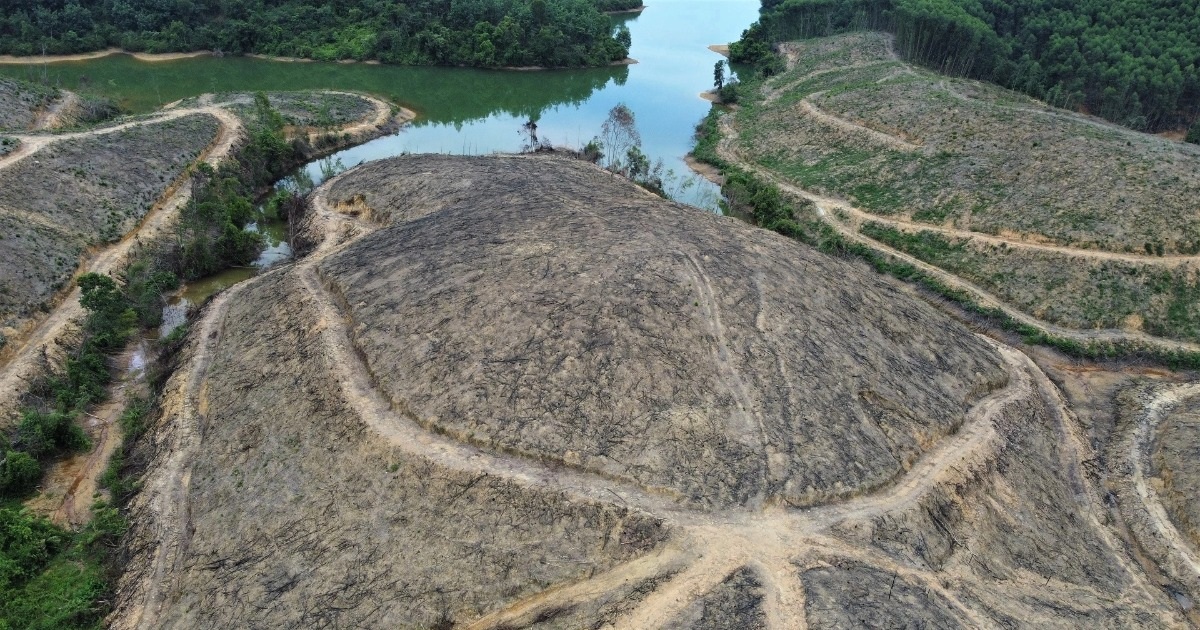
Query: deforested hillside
x: 20, y: 103
x: 1129, y: 61
x: 517, y: 391
x: 81, y: 193
x: 1076, y: 221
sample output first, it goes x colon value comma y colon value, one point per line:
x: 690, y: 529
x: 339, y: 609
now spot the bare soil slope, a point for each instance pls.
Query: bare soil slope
x: 84, y: 193
x: 1176, y: 468
x: 675, y: 349
x: 21, y: 102
x: 1075, y: 221
x: 517, y: 392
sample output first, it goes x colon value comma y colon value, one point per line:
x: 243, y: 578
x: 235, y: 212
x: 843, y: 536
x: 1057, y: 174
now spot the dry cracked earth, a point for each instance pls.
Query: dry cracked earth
x: 518, y: 392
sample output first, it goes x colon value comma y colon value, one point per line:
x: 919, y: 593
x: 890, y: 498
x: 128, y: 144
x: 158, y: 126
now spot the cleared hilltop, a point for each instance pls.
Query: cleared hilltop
x: 1070, y: 219
x: 519, y: 392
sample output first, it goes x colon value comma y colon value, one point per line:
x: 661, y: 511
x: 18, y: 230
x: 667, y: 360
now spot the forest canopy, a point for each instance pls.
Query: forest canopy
x: 489, y: 33
x: 1134, y: 62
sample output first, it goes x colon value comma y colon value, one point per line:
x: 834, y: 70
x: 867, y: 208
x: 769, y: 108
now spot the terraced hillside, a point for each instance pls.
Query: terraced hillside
x: 81, y: 194
x: 86, y: 200
x: 516, y: 391
x: 1075, y: 221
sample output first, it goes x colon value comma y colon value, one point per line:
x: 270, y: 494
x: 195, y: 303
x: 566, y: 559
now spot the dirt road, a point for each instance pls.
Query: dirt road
x: 19, y: 363
x: 828, y: 209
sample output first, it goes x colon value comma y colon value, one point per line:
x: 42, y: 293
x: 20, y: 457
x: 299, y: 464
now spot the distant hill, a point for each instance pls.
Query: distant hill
x: 558, y: 33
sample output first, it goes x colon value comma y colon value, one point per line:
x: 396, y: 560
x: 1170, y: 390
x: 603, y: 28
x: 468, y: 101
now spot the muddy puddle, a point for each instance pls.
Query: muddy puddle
x: 194, y: 293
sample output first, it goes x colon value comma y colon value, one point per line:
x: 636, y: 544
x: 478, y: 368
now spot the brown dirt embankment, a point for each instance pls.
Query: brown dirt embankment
x: 495, y: 461
x: 140, y: 56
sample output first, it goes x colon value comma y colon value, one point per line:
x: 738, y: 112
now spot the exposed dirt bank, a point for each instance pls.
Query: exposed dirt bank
x: 11, y: 60
x: 592, y: 420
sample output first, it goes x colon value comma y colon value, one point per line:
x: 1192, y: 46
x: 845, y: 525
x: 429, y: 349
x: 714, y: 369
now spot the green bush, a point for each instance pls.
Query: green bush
x: 19, y: 474
x: 1193, y: 134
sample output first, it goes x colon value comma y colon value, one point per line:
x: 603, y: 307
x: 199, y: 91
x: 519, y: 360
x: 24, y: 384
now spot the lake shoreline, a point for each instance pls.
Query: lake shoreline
x: 160, y: 57
x: 107, y: 52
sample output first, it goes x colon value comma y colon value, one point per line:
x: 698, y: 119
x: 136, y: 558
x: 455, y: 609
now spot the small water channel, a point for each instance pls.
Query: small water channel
x: 277, y: 250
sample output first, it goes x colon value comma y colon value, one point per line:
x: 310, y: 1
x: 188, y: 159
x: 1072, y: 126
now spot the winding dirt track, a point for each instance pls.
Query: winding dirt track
x: 777, y: 544
x: 828, y: 208
x: 78, y: 476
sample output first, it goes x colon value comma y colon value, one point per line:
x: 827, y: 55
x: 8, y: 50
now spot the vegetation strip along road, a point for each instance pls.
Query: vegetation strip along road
x: 828, y: 210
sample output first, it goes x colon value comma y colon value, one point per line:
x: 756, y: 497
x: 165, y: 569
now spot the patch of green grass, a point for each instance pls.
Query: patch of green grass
x: 50, y: 578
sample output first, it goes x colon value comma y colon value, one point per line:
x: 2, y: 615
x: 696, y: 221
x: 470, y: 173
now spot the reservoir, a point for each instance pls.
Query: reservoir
x: 467, y: 110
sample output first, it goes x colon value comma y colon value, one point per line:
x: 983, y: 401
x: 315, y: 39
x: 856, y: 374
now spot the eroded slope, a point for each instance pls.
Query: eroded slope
x: 402, y: 430
x: 543, y: 314
x: 1176, y: 465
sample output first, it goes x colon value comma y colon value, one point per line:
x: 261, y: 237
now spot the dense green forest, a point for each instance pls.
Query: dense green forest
x: 559, y: 33
x: 1135, y: 62
x: 618, y: 5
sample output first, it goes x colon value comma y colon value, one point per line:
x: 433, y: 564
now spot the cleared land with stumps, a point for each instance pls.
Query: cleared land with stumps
x: 610, y: 410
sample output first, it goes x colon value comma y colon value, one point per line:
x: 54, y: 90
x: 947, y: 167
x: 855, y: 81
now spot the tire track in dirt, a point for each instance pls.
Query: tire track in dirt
x: 730, y: 376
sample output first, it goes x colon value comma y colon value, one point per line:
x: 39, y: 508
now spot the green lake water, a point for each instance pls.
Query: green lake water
x: 471, y: 111
x: 462, y: 110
